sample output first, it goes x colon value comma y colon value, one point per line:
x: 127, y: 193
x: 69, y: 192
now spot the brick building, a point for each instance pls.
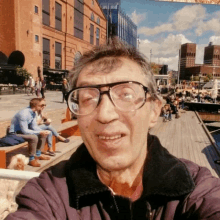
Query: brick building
x: 187, y: 58
x: 51, y: 34
x: 211, y: 65
x: 212, y: 55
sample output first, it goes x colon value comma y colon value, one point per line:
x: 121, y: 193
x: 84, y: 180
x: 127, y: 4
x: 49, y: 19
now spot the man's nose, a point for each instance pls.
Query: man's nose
x: 106, y: 110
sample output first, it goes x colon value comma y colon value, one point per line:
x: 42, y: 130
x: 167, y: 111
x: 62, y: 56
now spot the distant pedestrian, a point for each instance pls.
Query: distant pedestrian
x: 31, y: 84
x: 65, y: 88
x: 43, y: 86
x: 43, y: 82
x: 38, y: 87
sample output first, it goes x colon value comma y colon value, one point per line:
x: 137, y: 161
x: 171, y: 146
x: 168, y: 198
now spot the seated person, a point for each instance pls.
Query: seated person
x: 167, y: 112
x: 164, y: 114
x: 44, y: 123
x: 24, y: 125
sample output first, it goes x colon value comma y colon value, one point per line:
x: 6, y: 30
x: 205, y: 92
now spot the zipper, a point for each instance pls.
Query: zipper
x: 150, y: 213
x: 116, y: 206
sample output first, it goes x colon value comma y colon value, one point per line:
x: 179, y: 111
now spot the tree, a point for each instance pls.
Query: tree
x: 196, y: 78
x: 22, y: 75
x: 208, y: 77
x: 173, y: 81
x: 155, y: 68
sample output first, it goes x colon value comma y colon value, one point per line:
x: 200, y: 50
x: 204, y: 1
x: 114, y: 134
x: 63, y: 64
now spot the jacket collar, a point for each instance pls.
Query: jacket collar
x: 164, y: 175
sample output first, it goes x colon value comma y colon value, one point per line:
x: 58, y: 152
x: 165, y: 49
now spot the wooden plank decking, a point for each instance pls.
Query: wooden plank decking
x: 186, y: 138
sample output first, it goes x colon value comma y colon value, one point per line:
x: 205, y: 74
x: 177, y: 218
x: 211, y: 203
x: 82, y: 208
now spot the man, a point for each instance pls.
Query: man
x: 31, y: 84
x: 120, y: 171
x: 24, y: 125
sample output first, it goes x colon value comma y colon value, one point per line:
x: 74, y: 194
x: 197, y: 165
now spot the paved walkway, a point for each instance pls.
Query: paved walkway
x: 10, y: 104
x: 186, y: 138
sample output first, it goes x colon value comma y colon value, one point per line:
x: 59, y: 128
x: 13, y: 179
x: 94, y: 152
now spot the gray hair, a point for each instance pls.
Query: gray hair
x: 107, y: 58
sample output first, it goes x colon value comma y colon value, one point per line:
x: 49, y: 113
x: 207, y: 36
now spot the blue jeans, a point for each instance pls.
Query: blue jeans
x: 165, y: 116
x: 49, y: 137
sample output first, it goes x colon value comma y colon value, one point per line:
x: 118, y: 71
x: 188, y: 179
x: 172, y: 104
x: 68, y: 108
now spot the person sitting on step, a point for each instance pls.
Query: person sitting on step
x: 44, y: 123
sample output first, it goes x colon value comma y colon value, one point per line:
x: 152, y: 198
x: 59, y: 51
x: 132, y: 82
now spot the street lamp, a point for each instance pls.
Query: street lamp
x: 150, y: 55
x: 200, y: 75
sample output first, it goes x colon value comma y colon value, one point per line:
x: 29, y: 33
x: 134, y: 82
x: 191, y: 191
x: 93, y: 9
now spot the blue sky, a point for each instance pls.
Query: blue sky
x: 163, y: 26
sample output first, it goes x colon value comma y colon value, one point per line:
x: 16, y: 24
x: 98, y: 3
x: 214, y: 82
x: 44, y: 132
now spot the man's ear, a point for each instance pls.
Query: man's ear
x: 155, y: 112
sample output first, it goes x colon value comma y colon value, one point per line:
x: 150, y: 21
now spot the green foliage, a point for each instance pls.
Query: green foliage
x: 196, y: 78
x: 173, y: 81
x: 155, y: 68
x: 22, y: 75
x: 208, y: 77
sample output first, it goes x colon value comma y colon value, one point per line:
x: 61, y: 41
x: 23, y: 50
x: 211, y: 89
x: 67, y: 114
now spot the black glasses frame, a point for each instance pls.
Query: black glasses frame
x: 110, y: 85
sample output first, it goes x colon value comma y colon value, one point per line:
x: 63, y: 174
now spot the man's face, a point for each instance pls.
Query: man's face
x: 40, y: 106
x: 116, y: 140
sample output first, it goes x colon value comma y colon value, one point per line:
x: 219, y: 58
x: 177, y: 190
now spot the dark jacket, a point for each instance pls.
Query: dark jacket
x: 173, y: 189
x: 11, y: 140
x: 65, y: 87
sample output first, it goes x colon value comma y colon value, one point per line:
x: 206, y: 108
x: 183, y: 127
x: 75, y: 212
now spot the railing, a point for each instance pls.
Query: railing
x: 17, y: 174
x: 6, y: 89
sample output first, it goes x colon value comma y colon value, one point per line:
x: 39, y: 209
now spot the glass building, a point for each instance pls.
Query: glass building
x: 119, y: 24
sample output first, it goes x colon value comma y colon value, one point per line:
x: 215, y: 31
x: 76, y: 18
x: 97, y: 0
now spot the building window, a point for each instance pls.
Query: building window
x: 92, y: 16
x: 58, y: 16
x: 46, y: 12
x: 98, y: 20
x: 78, y: 19
x: 91, y: 34
x: 36, y: 39
x: 46, y: 53
x: 58, y: 55
x: 97, y: 36
x: 35, y: 9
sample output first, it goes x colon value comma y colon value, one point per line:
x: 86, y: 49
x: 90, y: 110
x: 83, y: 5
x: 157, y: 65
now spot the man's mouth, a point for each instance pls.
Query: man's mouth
x: 113, y: 137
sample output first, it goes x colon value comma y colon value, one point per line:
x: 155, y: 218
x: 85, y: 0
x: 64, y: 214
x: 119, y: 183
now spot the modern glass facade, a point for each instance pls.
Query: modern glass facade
x: 119, y: 24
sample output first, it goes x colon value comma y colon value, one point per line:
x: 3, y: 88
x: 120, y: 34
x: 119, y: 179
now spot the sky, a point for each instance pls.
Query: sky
x: 164, y: 26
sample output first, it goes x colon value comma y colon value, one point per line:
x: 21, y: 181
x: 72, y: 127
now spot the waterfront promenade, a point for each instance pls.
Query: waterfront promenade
x: 183, y: 137
x: 186, y: 138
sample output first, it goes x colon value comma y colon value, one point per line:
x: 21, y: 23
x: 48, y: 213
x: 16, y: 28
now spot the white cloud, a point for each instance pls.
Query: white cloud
x: 156, y: 30
x: 200, y: 53
x: 190, y: 17
x: 211, y: 25
x: 165, y: 51
x: 215, y: 40
x: 137, y: 18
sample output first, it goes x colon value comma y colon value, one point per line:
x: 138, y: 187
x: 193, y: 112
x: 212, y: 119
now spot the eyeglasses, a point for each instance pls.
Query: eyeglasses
x: 126, y: 96
x: 43, y: 105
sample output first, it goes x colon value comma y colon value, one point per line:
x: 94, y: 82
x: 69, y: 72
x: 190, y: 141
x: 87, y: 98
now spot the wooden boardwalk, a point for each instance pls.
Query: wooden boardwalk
x: 186, y: 138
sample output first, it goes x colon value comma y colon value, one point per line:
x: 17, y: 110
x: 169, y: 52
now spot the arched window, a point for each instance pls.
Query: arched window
x: 98, y: 20
x: 92, y: 16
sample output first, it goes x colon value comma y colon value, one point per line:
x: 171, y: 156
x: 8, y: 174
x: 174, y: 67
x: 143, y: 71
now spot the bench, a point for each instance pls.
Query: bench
x: 67, y: 129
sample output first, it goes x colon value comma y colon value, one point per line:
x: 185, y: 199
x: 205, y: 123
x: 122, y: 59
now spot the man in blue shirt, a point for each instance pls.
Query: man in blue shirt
x: 24, y: 125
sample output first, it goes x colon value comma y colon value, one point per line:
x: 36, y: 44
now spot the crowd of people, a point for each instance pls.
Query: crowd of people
x: 38, y: 87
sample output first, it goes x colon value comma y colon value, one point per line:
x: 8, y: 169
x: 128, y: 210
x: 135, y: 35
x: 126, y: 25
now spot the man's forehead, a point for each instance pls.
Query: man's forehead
x: 127, y: 71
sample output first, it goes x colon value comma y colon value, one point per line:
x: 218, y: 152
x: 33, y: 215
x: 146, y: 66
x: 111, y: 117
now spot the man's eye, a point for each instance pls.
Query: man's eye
x: 87, y: 100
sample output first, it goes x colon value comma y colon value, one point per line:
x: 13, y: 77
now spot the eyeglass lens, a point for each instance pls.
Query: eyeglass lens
x: 126, y: 97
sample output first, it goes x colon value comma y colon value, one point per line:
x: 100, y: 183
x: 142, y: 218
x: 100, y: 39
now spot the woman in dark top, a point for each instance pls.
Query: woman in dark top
x: 65, y: 88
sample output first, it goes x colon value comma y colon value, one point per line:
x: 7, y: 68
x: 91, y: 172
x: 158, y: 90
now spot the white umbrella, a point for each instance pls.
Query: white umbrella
x: 215, y: 90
